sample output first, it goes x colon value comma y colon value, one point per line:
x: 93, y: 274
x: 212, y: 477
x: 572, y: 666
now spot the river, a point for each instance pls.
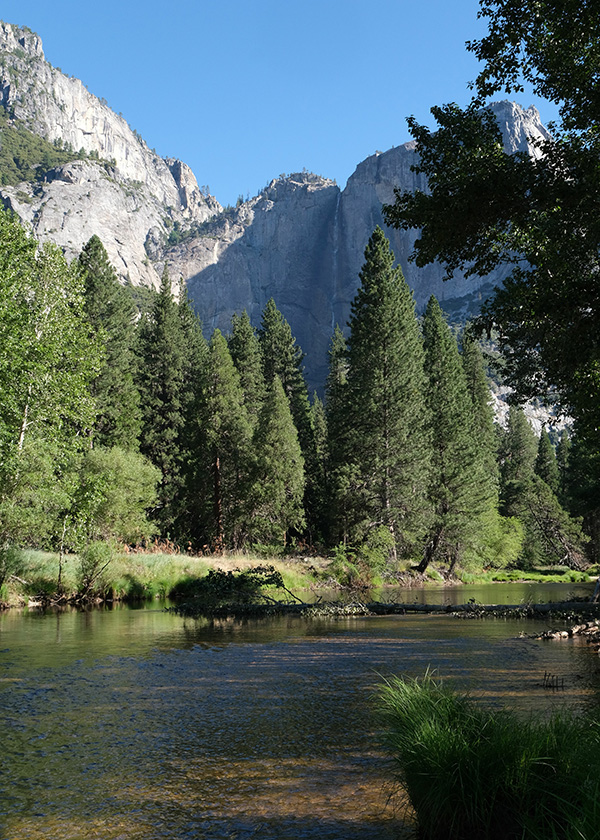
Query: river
x: 133, y: 723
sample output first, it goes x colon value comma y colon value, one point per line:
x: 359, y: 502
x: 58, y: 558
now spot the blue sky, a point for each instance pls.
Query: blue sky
x: 246, y: 91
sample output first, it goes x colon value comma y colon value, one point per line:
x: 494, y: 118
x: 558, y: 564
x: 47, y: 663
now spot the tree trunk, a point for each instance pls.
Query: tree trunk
x: 218, y: 508
x: 430, y: 551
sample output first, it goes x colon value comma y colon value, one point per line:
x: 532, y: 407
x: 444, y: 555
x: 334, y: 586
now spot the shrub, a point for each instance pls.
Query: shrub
x: 483, y: 775
x: 219, y: 588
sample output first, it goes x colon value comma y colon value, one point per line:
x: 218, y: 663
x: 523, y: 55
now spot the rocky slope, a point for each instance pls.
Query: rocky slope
x: 130, y: 197
x: 301, y: 241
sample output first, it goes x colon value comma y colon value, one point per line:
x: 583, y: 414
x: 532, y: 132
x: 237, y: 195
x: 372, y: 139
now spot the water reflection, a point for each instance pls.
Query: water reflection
x: 131, y: 724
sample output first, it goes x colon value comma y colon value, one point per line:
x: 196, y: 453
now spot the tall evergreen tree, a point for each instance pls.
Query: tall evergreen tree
x: 518, y: 449
x: 283, y: 358
x: 563, y: 458
x: 161, y: 375
x: 111, y: 312
x: 246, y: 354
x: 551, y: 535
x: 188, y: 505
x: 228, y: 438
x: 340, y: 473
x: 459, y: 489
x: 386, y: 439
x: 279, y: 470
x: 483, y: 413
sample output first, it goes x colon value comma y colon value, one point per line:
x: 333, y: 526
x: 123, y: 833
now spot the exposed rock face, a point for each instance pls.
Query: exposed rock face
x: 302, y: 242
x: 276, y: 245
x: 122, y: 202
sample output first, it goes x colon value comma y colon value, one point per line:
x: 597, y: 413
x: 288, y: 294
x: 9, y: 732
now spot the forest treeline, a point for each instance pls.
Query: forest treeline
x: 121, y: 425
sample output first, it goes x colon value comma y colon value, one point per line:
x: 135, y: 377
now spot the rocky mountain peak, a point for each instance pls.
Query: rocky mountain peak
x: 20, y: 39
x: 521, y: 127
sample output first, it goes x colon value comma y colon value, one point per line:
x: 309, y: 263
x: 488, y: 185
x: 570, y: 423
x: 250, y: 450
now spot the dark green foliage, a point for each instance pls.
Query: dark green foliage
x: 221, y: 589
x: 517, y: 451
x: 318, y: 523
x: 483, y: 427
x: 461, y: 490
x: 111, y: 313
x: 583, y: 490
x: 142, y: 297
x: 278, y: 485
x: 546, y: 465
x: 161, y: 376
x: 283, y: 358
x: 227, y: 436
x: 489, y: 775
x: 246, y: 354
x: 382, y: 422
x: 551, y: 535
x: 563, y: 457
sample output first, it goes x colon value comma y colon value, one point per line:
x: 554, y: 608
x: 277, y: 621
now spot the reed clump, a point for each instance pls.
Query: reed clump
x: 476, y: 774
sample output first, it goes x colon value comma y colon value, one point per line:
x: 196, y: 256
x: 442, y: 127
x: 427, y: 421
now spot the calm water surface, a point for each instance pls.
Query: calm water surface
x: 137, y: 724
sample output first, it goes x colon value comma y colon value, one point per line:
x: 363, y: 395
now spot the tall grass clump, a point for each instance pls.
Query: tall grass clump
x: 476, y: 774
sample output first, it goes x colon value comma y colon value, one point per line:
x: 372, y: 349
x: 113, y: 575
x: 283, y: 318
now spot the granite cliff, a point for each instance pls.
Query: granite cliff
x: 300, y: 241
x: 123, y: 191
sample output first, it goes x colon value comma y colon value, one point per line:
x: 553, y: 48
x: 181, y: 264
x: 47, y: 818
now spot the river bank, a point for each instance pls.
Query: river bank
x: 44, y: 579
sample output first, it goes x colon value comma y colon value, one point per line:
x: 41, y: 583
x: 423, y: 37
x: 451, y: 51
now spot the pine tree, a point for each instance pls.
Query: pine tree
x: 228, y: 438
x: 518, y: 449
x: 563, y: 458
x: 188, y: 505
x: 460, y: 492
x: 551, y: 535
x: 483, y: 414
x: 318, y: 524
x: 339, y: 471
x: 110, y: 310
x: 385, y: 438
x: 283, y: 358
x: 279, y: 470
x: 161, y: 376
x: 245, y: 352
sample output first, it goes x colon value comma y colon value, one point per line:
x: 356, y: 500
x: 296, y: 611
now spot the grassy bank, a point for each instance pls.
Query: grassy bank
x: 132, y: 576
x: 483, y: 775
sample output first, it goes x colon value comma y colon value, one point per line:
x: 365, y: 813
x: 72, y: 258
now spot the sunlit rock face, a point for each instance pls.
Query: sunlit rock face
x: 127, y: 195
x: 302, y: 242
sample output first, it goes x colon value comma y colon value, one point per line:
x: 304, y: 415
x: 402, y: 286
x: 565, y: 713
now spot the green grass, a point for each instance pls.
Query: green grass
x: 516, y: 575
x: 475, y: 774
x: 137, y: 576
